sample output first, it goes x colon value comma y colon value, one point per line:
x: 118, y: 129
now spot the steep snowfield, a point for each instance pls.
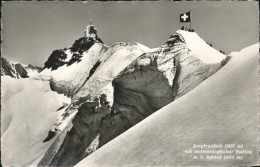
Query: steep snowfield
x: 114, y: 61
x: 70, y: 78
x: 86, y: 124
x: 76, y: 71
x: 31, y: 72
x: 200, y: 49
x: 221, y: 110
x: 29, y: 111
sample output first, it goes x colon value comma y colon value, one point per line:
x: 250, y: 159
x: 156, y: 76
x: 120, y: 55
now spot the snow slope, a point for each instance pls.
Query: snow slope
x: 200, y: 49
x: 115, y: 60
x: 74, y: 71
x: 67, y: 79
x: 30, y: 71
x: 29, y: 111
x: 221, y: 110
x: 65, y: 150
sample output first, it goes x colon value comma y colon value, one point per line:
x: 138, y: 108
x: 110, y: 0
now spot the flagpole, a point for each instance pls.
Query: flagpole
x: 190, y: 19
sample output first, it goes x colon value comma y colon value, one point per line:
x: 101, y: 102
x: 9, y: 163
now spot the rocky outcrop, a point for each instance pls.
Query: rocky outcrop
x: 86, y: 128
x: 18, y: 70
x: 70, y: 70
x: 8, y: 69
x: 83, y: 44
x: 143, y: 82
x: 21, y: 70
x: 89, y: 114
x: 72, y: 55
x: 56, y: 59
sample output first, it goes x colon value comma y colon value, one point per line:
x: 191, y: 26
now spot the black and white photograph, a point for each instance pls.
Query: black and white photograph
x: 130, y: 83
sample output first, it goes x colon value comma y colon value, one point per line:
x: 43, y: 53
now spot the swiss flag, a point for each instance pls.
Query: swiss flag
x: 185, y: 17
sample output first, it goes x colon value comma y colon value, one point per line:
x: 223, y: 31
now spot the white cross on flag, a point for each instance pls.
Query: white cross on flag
x: 185, y: 17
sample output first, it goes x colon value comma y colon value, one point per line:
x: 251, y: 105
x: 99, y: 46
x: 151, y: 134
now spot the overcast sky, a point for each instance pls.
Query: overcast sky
x: 32, y: 30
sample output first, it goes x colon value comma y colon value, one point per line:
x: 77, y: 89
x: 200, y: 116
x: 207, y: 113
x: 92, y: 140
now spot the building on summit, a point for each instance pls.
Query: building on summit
x: 90, y: 31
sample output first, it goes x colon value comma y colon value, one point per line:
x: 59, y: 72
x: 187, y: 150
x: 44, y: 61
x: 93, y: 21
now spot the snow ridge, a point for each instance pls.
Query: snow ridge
x: 200, y: 49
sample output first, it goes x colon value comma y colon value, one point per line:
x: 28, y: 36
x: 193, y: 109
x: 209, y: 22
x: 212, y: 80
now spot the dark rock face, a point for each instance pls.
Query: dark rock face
x: 51, y: 134
x: 7, y: 68
x: 21, y: 70
x: 93, y: 69
x: 16, y: 70
x: 86, y: 127
x: 83, y: 44
x: 57, y: 57
x: 75, y: 59
x: 69, y: 79
x: 136, y: 96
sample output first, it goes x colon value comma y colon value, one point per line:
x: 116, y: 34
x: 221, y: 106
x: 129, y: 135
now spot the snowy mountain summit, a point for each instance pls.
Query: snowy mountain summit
x: 115, y: 87
x: 70, y: 67
x: 72, y: 55
x: 200, y: 49
x: 111, y: 89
